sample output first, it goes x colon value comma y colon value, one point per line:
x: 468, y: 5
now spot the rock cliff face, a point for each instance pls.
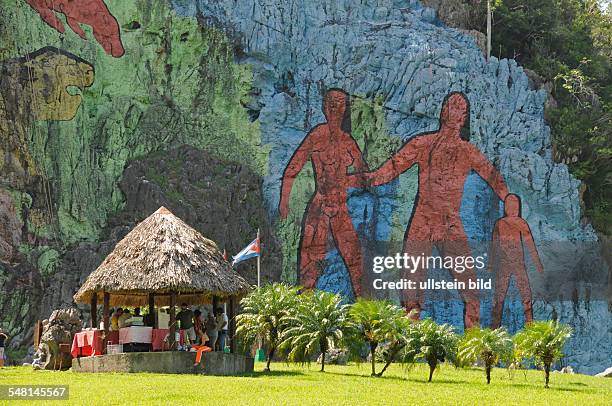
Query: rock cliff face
x: 204, y: 112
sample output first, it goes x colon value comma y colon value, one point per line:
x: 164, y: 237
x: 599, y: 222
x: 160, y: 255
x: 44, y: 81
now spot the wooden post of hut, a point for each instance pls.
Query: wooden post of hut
x: 172, y: 338
x: 232, y: 325
x: 38, y: 329
x: 152, y: 310
x: 94, y: 310
x: 106, y: 317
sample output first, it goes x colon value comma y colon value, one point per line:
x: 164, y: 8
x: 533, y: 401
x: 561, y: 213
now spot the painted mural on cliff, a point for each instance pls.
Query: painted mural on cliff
x: 94, y: 13
x: 62, y: 193
x: 398, y: 63
x: 34, y: 87
x: 332, y: 151
x: 444, y: 161
x: 245, y: 82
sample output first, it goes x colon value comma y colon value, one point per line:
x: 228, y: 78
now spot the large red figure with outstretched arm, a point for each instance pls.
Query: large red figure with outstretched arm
x: 91, y: 12
x: 444, y: 160
x: 507, y: 258
x: 332, y: 150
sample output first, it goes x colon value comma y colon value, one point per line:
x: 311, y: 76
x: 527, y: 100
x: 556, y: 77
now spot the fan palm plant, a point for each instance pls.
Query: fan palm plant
x: 486, y: 345
x: 316, y: 325
x: 399, y: 341
x: 372, y: 322
x: 263, y: 316
x: 435, y: 343
x: 543, y: 342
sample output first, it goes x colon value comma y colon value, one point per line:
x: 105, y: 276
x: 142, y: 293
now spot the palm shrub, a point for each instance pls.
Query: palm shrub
x: 264, y: 314
x: 543, y: 341
x: 398, y: 345
x: 488, y: 346
x: 434, y: 343
x: 316, y: 325
x: 372, y: 322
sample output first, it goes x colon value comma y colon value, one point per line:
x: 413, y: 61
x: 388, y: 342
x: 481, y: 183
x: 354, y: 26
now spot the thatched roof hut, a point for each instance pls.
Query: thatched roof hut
x: 162, y: 256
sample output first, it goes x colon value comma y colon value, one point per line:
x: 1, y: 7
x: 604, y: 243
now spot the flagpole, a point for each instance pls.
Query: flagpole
x: 258, y: 262
x: 259, y: 350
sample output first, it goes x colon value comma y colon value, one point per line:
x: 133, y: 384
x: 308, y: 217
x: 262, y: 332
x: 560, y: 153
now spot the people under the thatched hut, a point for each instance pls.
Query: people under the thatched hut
x: 185, y: 317
x: 160, y: 262
x: 124, y: 317
x: 115, y: 319
x: 212, y: 330
x: 149, y: 319
x: 198, y: 325
x: 222, y: 324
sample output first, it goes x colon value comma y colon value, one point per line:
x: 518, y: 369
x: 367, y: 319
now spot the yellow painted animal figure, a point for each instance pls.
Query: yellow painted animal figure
x: 35, y: 87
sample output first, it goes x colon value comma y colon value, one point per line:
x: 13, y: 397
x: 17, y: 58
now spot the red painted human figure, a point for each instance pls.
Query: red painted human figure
x: 332, y: 150
x: 444, y: 160
x: 511, y: 235
x: 90, y: 12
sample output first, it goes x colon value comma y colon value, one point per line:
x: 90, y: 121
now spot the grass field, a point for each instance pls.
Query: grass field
x: 294, y: 384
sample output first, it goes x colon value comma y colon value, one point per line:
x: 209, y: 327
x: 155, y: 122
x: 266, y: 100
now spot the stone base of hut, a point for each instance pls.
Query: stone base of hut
x: 169, y: 362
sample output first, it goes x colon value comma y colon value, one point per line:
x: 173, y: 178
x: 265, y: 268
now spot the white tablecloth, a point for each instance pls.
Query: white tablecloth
x: 135, y: 334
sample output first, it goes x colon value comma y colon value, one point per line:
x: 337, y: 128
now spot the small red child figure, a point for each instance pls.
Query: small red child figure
x: 332, y: 150
x: 507, y: 258
x: 91, y: 12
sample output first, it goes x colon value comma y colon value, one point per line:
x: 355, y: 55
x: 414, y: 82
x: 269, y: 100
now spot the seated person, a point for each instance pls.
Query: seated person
x: 115, y: 319
x: 149, y: 319
x: 123, y: 318
x: 198, y: 326
x: 137, y: 312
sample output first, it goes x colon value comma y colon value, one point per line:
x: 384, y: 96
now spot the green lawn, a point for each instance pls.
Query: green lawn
x: 293, y: 384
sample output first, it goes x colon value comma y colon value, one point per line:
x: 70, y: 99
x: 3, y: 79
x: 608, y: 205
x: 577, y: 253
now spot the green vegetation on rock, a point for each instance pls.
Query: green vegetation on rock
x: 569, y: 44
x: 176, y: 84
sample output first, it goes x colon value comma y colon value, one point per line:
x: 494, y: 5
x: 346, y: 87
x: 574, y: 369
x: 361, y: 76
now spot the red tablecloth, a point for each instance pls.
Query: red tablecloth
x: 113, y: 337
x: 87, y: 343
x: 157, y: 342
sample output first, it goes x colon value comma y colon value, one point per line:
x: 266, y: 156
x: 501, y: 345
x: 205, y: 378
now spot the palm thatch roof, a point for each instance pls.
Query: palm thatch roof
x: 161, y: 255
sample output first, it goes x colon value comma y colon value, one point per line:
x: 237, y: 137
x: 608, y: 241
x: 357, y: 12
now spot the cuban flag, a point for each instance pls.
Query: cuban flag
x: 250, y: 251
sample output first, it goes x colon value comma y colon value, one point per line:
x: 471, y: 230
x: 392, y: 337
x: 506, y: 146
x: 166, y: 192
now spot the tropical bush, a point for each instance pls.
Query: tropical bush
x: 373, y: 322
x: 542, y: 342
x: 316, y: 326
x: 435, y: 343
x: 485, y: 345
x: 264, y: 316
x: 301, y: 326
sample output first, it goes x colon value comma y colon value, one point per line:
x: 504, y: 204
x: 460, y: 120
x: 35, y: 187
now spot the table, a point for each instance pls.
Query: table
x: 158, y: 338
x: 87, y: 343
x: 136, y: 334
x: 113, y: 337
